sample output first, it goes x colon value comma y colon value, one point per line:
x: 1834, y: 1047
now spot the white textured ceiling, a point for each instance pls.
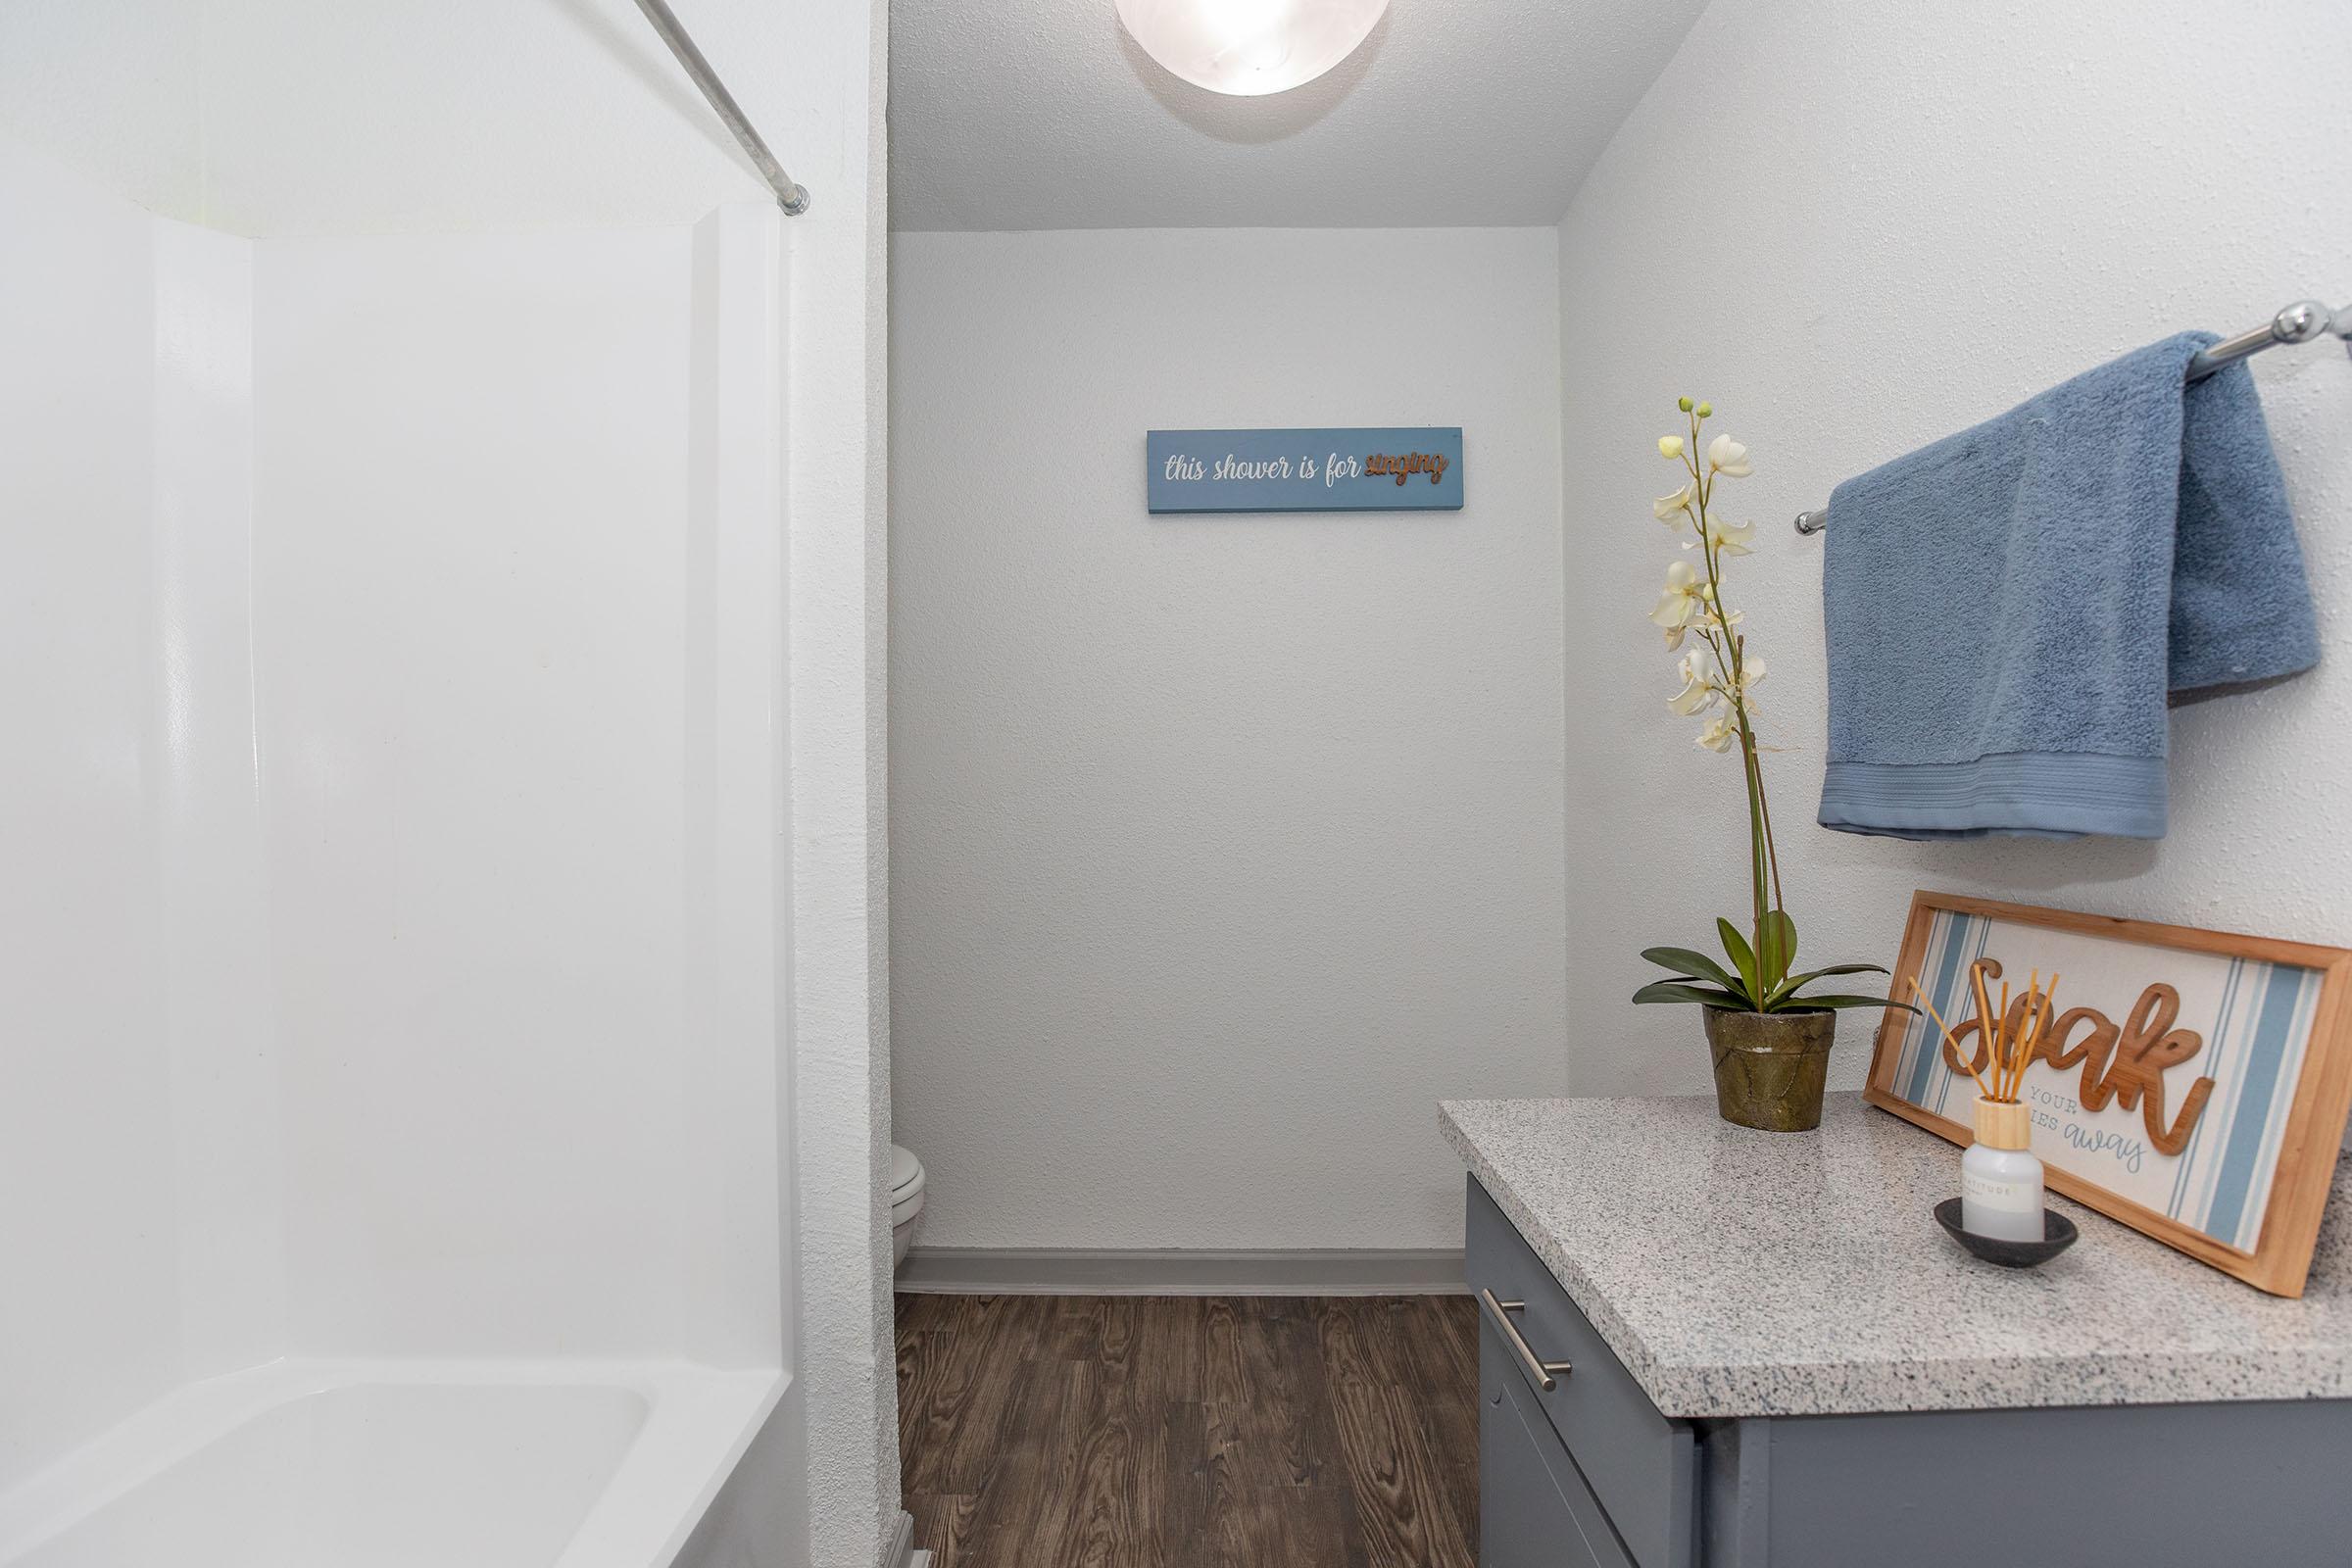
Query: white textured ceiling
x: 1044, y: 114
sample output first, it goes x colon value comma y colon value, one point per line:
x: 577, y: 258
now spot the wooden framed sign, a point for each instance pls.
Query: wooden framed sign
x: 1407, y: 468
x: 2192, y: 1084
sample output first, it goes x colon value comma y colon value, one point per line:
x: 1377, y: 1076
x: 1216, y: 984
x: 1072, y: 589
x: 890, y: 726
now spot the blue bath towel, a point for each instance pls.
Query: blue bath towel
x: 2008, y: 609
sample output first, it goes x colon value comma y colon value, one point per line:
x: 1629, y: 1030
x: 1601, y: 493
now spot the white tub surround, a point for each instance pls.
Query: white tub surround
x: 370, y: 1465
x: 396, y: 929
x: 1739, y: 1273
x: 446, y: 905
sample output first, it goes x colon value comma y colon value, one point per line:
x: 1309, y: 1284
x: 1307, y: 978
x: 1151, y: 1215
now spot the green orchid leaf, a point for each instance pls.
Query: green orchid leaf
x: 1679, y: 991
x: 1800, y: 1003
x: 1743, y: 957
x: 1790, y: 984
x: 1685, y: 961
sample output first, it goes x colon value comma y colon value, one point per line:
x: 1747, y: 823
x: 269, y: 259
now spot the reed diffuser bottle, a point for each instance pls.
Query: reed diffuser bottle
x: 2000, y: 1180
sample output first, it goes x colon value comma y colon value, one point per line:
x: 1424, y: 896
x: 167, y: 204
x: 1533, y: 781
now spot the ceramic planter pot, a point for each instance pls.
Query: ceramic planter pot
x: 1770, y: 1067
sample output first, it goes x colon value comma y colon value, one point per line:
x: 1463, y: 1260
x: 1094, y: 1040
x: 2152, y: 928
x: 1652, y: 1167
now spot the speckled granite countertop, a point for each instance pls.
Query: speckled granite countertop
x: 1745, y: 1273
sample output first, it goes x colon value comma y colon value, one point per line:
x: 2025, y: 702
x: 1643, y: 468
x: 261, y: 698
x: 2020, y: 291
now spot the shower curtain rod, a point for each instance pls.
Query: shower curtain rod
x: 792, y: 198
x: 2300, y: 322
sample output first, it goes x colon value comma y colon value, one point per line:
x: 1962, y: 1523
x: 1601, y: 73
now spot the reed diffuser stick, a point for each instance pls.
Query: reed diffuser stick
x: 2000, y: 1043
x: 1986, y: 1035
x: 2043, y: 1010
x: 1949, y: 1039
x: 2008, y: 1079
x: 2025, y: 1031
x: 2014, y: 1048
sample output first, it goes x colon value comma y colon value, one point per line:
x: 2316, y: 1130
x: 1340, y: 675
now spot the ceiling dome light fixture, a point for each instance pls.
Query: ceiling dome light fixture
x: 1249, y: 47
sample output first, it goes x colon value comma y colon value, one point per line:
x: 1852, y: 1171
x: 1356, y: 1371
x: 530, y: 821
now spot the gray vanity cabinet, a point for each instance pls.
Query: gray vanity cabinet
x: 1625, y: 1473
x: 1535, y: 1510
x: 1588, y: 1473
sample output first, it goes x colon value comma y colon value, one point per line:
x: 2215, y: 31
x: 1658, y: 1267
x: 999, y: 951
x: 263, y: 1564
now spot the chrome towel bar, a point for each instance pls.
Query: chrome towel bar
x: 2300, y: 322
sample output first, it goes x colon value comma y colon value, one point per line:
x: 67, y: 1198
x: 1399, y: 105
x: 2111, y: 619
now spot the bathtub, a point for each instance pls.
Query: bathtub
x: 370, y: 1465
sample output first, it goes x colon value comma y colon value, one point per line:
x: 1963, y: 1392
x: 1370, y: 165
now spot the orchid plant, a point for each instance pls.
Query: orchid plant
x: 1720, y: 678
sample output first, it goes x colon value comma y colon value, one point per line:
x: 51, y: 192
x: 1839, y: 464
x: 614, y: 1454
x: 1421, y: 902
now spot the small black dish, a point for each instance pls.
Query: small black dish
x: 2058, y: 1232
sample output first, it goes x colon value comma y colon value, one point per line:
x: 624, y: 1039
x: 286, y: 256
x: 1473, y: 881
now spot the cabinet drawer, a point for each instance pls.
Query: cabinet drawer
x: 1534, y: 1508
x: 1641, y: 1466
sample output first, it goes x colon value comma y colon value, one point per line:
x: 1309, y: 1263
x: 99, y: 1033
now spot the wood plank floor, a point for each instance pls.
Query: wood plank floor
x: 1189, y: 1432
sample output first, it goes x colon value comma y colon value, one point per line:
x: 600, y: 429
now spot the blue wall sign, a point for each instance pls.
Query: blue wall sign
x: 1411, y: 469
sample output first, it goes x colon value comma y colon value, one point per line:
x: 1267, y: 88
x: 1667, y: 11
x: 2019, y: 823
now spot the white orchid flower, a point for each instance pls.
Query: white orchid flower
x: 1723, y: 702
x: 1682, y: 597
x: 1694, y: 700
x: 1699, y: 691
x: 1751, y: 675
x: 1730, y: 538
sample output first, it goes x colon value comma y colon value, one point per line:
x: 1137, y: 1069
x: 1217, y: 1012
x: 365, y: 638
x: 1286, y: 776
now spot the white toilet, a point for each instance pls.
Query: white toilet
x: 905, y: 1201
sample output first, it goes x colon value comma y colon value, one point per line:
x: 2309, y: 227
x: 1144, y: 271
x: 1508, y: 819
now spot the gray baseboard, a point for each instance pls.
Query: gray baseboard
x: 1095, y: 1271
x: 901, y: 1552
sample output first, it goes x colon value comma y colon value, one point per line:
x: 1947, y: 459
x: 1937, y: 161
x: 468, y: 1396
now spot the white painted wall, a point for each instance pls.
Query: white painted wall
x: 825, y: 89
x: 1915, y: 217
x: 1223, y: 846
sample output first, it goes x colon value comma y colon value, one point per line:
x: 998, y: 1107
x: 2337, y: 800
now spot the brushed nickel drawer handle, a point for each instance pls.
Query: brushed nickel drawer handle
x: 1541, y: 1370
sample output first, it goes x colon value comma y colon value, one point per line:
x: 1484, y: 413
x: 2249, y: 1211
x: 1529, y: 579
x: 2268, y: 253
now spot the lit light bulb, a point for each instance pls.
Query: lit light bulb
x: 1240, y: 19
x: 1249, y: 47
x: 1255, y: 33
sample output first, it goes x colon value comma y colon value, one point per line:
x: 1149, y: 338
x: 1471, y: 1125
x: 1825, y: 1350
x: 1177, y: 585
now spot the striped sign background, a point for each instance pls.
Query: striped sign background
x: 2255, y: 1019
